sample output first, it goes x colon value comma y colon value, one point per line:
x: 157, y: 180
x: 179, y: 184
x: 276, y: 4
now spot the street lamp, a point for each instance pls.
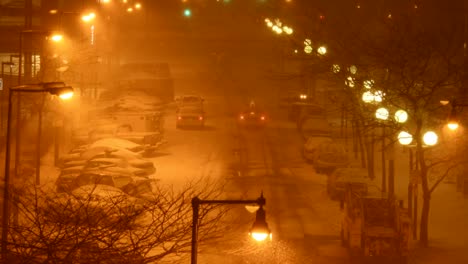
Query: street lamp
x: 258, y: 232
x: 400, y: 116
x: 54, y: 88
x: 453, y: 121
x: 11, y: 64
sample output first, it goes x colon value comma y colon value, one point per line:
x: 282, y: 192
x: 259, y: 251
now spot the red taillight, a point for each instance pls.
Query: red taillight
x: 200, y: 118
x: 241, y: 117
x: 262, y: 118
x: 179, y: 118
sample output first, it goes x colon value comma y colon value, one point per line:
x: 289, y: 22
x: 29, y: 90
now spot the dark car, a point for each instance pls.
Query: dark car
x: 252, y: 117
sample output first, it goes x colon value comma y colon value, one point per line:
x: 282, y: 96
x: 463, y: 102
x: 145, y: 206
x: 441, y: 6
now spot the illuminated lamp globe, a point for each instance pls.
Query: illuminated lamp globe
x: 322, y: 50
x: 378, y: 96
x: 452, y: 125
x: 260, y: 231
x: 430, y: 138
x: 368, y: 97
x: 401, y: 116
x: 405, y: 138
x: 382, y: 113
x: 336, y: 68
x: 368, y: 84
x: 308, y: 49
x: 349, y: 81
x: 353, y: 69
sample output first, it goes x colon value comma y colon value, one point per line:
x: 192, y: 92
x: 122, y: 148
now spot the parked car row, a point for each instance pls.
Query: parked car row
x: 112, y: 162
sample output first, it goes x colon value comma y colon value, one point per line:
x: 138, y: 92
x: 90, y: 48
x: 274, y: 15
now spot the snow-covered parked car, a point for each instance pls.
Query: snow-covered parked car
x: 310, y: 150
x: 113, y: 176
x: 330, y: 155
x: 98, y: 204
x: 66, y: 178
x: 356, y: 179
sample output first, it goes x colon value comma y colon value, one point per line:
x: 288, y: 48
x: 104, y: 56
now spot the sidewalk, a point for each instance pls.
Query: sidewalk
x: 448, y: 216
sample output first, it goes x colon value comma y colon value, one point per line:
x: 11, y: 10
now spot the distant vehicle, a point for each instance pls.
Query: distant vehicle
x: 252, y: 117
x: 189, y: 101
x: 190, y: 116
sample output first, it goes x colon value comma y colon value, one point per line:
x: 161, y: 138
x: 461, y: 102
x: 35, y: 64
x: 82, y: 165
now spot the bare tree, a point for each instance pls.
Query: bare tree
x: 110, y: 228
x: 414, y: 55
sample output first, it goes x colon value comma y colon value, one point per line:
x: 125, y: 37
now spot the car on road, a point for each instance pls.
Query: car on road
x: 252, y: 117
x: 190, y: 117
x: 189, y: 100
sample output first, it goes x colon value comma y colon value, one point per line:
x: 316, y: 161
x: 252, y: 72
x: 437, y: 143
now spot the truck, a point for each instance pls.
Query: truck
x: 375, y: 227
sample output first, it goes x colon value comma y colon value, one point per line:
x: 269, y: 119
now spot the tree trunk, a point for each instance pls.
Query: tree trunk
x: 423, y: 230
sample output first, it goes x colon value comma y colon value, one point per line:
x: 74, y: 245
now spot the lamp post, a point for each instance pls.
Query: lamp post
x: 429, y: 139
x: 8, y: 63
x: 400, y: 116
x: 54, y: 88
x: 259, y: 230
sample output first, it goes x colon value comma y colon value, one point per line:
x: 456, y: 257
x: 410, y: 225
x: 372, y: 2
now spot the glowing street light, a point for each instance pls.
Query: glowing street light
x: 336, y: 68
x: 353, y: 69
x: 308, y: 49
x: 382, y: 113
x: 401, y: 116
x: 368, y: 84
x: 88, y: 17
x: 405, y: 138
x: 137, y: 6
x: 322, y: 50
x: 56, y: 37
x: 287, y: 30
x: 430, y: 138
x: 259, y: 231
x: 368, y: 97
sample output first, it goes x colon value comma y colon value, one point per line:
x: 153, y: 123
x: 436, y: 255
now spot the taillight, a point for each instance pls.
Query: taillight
x: 179, y: 118
x: 200, y: 118
x: 241, y: 117
x: 262, y: 118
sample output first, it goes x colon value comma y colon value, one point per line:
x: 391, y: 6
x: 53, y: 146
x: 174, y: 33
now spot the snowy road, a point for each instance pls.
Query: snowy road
x: 304, y: 222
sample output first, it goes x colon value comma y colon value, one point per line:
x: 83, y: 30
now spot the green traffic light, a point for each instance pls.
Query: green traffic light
x: 187, y: 12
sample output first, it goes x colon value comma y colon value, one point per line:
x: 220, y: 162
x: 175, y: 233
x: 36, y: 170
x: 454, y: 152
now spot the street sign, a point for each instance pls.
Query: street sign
x: 1, y: 84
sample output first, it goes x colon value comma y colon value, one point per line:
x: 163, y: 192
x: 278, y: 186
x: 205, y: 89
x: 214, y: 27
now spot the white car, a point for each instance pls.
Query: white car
x: 189, y: 100
x: 192, y: 116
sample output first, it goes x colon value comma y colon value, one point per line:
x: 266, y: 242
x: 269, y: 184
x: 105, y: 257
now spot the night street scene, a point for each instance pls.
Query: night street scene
x: 234, y: 131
